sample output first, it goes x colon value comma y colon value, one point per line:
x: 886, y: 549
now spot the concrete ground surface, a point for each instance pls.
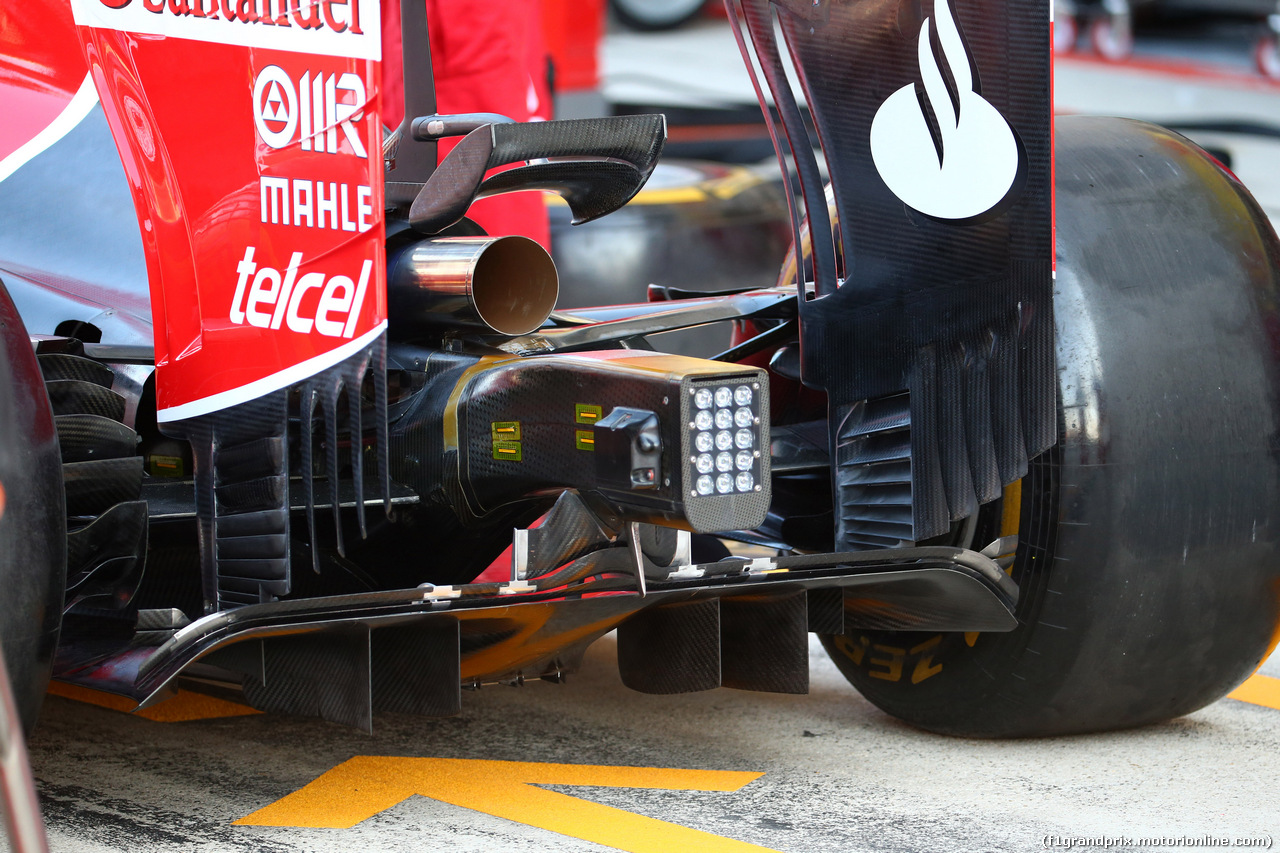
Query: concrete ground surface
x: 824, y: 773
x: 839, y: 776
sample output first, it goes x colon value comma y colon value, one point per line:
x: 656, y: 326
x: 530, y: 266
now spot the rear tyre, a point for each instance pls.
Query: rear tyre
x: 33, y: 528
x: 1066, y: 29
x: 1149, y: 538
x: 656, y: 14
x: 1111, y: 39
x: 1266, y: 55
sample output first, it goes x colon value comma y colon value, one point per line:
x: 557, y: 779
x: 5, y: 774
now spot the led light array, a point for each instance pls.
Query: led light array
x: 725, y: 439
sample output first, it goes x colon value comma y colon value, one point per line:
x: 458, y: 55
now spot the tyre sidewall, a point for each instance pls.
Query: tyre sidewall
x: 1147, y: 559
x: 33, y: 526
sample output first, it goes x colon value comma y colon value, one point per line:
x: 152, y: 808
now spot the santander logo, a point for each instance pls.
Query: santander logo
x: 969, y: 165
x: 342, y: 28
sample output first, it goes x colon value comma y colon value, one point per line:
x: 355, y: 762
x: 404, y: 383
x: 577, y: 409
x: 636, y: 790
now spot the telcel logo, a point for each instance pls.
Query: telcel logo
x: 265, y: 298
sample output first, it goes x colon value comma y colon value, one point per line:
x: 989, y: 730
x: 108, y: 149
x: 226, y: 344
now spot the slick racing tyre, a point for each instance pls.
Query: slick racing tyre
x: 656, y: 14
x: 1111, y: 39
x: 1149, y: 538
x: 1266, y: 56
x: 33, y: 530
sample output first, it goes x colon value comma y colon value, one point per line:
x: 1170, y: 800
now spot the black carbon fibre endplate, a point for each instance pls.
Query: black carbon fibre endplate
x: 826, y: 611
x: 344, y: 676
x: 671, y: 648
x: 916, y: 285
x: 764, y: 642
x: 325, y: 675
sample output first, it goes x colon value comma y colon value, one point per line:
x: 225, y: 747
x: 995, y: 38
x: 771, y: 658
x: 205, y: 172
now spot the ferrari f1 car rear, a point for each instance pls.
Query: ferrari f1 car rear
x: 357, y: 397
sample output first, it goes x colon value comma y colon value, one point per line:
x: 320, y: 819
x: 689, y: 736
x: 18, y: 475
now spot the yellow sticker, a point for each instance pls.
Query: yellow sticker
x: 584, y: 439
x: 587, y: 414
x: 165, y: 466
x: 506, y: 430
x: 364, y: 786
x: 507, y: 450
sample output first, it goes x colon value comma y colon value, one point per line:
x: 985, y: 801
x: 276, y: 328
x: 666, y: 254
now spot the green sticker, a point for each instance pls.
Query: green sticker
x: 506, y: 430
x: 584, y: 439
x: 587, y: 414
x: 507, y: 450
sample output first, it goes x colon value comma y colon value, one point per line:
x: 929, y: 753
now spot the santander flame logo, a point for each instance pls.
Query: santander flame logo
x: 969, y: 165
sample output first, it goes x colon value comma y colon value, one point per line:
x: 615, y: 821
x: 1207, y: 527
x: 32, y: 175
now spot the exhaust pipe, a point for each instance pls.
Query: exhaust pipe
x: 507, y: 285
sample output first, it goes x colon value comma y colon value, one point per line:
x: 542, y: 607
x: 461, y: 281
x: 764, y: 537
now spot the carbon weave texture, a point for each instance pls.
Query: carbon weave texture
x: 637, y: 140
x: 671, y: 648
x: 957, y: 313
x: 764, y: 642
x: 78, y: 397
x: 83, y: 438
x: 56, y: 365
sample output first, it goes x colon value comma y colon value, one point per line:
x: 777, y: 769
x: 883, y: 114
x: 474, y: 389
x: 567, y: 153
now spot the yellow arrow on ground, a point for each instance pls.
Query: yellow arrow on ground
x: 1260, y: 690
x: 362, y: 787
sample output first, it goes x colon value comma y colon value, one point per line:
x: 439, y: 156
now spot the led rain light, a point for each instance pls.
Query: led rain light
x: 727, y: 444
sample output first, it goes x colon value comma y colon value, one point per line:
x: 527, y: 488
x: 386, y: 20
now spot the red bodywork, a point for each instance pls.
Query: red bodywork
x: 250, y: 136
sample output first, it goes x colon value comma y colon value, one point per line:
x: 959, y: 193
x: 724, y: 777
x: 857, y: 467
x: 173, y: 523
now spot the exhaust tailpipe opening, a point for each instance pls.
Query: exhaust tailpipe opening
x: 507, y: 285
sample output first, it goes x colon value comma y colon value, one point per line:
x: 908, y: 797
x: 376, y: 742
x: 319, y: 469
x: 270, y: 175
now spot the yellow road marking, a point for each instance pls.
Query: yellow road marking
x: 183, y: 707
x: 364, y: 786
x: 1259, y: 690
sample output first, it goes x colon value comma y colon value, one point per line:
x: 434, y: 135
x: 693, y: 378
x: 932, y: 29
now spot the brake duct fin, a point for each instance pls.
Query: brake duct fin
x: 251, y: 139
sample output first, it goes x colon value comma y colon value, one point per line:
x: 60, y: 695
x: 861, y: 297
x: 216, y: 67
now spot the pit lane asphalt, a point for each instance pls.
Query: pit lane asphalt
x: 839, y: 775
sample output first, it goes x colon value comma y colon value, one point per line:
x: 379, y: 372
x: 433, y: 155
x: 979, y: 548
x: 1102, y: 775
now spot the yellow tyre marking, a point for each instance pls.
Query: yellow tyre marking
x: 925, y: 668
x: 890, y: 660
x: 1259, y: 690
x: 1011, y: 508
x: 364, y: 786
x: 182, y: 707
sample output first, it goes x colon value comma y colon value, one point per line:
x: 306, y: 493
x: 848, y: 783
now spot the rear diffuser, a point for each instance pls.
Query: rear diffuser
x: 738, y: 623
